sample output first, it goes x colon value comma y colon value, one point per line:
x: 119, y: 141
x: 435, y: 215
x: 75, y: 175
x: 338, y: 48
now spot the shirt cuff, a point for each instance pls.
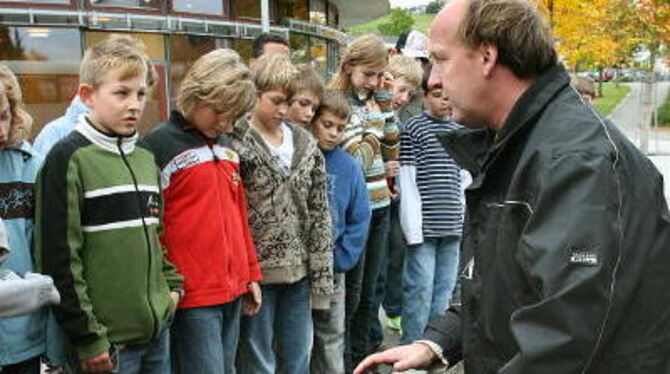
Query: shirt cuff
x: 442, y: 362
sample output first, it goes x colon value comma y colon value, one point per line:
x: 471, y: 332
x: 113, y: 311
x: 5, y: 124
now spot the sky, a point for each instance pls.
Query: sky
x: 408, y: 3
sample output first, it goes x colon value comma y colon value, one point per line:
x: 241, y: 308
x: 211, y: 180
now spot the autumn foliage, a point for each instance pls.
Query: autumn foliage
x: 600, y: 33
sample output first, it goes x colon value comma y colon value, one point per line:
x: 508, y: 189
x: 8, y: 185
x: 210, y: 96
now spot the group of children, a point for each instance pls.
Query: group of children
x: 248, y: 233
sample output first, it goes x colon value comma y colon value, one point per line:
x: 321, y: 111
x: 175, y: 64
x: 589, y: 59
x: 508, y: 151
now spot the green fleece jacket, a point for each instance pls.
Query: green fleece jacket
x: 97, y: 222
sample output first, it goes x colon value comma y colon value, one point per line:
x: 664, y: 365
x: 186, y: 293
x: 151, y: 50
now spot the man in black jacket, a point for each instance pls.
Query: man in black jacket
x: 567, y: 238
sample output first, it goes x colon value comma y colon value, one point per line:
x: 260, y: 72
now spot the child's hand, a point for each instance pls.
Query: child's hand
x: 392, y: 168
x: 99, y: 364
x: 386, y: 82
x: 251, y: 303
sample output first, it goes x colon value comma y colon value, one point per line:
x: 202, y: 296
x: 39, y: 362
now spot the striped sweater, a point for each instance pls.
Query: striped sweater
x: 430, y: 181
x: 372, y: 137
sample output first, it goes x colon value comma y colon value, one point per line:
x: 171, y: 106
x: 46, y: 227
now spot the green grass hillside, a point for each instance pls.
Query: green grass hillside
x: 421, y: 22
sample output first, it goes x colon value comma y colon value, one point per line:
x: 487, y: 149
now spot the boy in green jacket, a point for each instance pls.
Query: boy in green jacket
x: 98, y: 217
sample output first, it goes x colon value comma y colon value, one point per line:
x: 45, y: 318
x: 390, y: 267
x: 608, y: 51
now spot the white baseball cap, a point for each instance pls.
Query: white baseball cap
x: 416, y: 45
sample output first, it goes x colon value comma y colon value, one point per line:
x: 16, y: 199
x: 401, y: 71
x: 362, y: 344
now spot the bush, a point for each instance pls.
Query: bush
x: 400, y: 21
x: 664, y: 113
x: 434, y: 6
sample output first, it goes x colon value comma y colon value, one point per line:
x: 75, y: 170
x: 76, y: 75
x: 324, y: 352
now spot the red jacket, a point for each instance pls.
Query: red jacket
x: 205, y: 220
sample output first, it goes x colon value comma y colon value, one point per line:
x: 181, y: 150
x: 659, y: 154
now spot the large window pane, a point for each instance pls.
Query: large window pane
x: 319, y: 55
x: 317, y: 11
x: 299, y: 48
x: 333, y: 15
x: 213, y: 7
x: 149, y: 4
x: 46, y: 61
x: 295, y: 9
x: 243, y: 47
x: 66, y: 2
x: 249, y: 8
x: 184, y: 51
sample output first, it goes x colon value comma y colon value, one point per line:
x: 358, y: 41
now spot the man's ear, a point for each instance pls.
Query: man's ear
x: 85, y: 92
x: 489, y: 55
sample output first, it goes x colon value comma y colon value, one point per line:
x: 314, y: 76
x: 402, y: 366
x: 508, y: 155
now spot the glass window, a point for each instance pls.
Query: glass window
x: 333, y: 15
x: 66, y: 2
x: 156, y: 110
x: 243, y: 47
x: 149, y: 4
x: 46, y: 62
x: 299, y: 48
x: 184, y: 51
x: 295, y: 9
x: 317, y: 11
x: 318, y: 52
x: 249, y: 8
x: 213, y: 7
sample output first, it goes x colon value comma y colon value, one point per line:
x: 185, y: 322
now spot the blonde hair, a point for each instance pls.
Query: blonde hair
x: 275, y: 71
x: 405, y: 67
x: 584, y: 85
x: 221, y: 80
x: 365, y: 50
x: 116, y: 52
x: 19, y: 127
x: 309, y: 80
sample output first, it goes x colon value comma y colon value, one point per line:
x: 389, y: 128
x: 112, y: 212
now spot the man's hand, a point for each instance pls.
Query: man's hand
x: 251, y: 303
x: 98, y: 364
x: 404, y: 357
x: 392, y: 168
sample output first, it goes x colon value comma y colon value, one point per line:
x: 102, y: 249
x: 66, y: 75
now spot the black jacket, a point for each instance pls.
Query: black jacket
x: 570, y: 235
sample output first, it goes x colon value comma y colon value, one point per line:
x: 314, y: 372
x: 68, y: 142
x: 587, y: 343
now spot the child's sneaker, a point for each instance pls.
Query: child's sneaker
x: 394, y: 323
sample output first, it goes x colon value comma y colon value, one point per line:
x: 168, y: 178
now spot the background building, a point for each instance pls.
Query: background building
x: 43, y: 41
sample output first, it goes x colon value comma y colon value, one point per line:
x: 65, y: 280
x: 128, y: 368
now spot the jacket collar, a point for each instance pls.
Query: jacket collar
x: 474, y: 150
x: 109, y: 142
x: 303, y: 144
x: 178, y: 119
x: 24, y: 148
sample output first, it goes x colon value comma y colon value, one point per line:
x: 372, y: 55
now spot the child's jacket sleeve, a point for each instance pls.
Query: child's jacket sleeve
x: 59, y: 244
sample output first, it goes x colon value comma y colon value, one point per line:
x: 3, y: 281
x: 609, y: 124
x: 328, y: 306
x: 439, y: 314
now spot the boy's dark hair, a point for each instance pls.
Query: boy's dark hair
x: 309, y: 80
x: 334, y: 102
x: 261, y: 40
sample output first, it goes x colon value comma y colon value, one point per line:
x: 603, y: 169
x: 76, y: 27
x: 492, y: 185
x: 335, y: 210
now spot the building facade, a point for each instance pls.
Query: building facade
x: 43, y: 41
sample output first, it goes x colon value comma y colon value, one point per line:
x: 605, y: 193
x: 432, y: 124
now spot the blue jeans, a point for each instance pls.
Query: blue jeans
x: 366, y: 313
x: 328, y: 351
x: 150, y: 358
x: 279, y: 337
x: 204, y: 339
x: 429, y: 276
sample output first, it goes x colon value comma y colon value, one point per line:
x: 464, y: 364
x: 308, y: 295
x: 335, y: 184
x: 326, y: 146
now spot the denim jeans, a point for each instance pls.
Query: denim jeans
x: 328, y: 351
x: 389, y: 282
x: 352, y: 295
x: 429, y: 276
x: 29, y: 366
x: 150, y: 358
x: 279, y: 337
x: 204, y: 339
x: 366, y: 313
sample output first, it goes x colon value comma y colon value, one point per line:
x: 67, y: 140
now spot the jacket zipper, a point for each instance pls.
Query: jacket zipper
x: 154, y: 334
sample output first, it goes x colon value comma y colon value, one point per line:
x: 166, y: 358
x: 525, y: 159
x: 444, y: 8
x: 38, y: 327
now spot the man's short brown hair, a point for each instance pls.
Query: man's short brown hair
x: 118, y: 51
x: 516, y: 29
x: 335, y: 102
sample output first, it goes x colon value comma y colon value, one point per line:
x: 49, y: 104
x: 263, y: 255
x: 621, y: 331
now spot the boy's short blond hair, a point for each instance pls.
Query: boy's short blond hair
x: 116, y: 52
x: 584, y: 85
x: 221, y: 80
x: 334, y: 102
x: 275, y: 71
x: 10, y: 90
x: 309, y: 80
x: 407, y: 68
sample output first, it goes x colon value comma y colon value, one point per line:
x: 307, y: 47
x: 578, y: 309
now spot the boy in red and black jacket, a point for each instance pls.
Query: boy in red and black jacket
x: 205, y: 220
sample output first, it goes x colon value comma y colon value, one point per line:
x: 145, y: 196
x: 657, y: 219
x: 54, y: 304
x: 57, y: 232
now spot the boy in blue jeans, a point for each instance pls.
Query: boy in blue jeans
x: 284, y: 177
x: 431, y: 214
x: 350, y: 212
x: 98, y: 216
